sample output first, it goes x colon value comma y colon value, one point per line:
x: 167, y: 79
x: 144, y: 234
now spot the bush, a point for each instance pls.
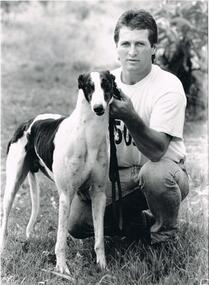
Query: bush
x: 183, y: 44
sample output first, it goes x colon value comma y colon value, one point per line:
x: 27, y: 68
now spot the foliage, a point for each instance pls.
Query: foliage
x: 183, y: 28
x: 183, y: 45
x: 8, y: 6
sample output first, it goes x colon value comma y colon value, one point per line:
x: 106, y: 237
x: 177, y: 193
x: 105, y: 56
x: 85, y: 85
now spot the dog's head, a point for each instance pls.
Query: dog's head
x: 98, y: 88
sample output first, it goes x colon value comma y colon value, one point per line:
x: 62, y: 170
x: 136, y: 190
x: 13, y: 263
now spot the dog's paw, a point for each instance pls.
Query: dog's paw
x: 62, y: 267
x: 28, y: 233
x: 3, y: 238
x: 101, y: 261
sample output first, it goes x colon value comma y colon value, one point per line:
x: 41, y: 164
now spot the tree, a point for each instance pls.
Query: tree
x: 183, y: 42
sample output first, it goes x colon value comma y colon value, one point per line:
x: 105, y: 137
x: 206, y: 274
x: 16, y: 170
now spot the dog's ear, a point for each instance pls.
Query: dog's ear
x: 108, y: 75
x: 106, y: 72
x: 80, y: 81
x: 116, y: 92
x: 113, y: 77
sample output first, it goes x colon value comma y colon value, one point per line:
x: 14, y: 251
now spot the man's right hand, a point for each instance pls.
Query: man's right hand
x: 121, y: 109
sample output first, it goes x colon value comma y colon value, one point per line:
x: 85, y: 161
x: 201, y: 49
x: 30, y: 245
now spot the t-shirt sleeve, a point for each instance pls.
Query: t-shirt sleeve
x: 168, y: 114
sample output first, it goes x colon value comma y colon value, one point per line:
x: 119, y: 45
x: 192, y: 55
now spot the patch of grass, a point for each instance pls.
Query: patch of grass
x: 179, y: 262
x: 183, y: 261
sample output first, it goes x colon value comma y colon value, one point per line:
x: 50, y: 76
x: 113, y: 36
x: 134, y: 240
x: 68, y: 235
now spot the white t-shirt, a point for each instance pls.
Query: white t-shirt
x: 160, y: 101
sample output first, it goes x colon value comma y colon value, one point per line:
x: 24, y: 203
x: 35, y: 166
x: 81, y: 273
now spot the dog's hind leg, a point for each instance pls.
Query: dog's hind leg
x: 16, y: 171
x: 35, y: 202
x: 98, y: 209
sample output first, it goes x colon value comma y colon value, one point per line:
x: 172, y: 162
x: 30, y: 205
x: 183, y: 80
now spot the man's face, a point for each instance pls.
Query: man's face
x: 134, y: 50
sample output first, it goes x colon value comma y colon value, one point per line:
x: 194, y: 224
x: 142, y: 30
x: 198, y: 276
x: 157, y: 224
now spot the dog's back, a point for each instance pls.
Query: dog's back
x: 37, y: 135
x: 40, y: 145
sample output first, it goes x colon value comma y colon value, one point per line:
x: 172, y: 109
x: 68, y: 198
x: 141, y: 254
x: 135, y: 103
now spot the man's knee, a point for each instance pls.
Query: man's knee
x: 158, y: 177
x: 151, y: 175
x: 80, y: 224
x: 74, y: 231
x: 80, y: 231
x: 80, y: 220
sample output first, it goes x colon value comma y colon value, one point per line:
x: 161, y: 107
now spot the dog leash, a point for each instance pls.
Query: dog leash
x: 114, y: 170
x: 115, y: 178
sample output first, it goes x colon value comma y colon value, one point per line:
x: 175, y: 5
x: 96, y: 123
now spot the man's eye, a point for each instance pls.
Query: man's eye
x: 139, y: 44
x: 125, y: 44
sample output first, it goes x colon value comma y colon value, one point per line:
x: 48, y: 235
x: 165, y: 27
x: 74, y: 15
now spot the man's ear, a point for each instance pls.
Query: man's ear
x: 154, y: 49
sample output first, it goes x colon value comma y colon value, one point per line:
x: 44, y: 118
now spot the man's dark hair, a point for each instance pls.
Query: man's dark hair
x: 137, y: 20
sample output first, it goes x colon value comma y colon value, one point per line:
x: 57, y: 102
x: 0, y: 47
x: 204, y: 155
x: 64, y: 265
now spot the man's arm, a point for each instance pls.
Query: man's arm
x: 151, y: 143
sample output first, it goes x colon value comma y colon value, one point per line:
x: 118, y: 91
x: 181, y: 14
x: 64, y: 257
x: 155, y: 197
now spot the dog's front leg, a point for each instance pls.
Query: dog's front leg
x: 98, y: 210
x: 64, y: 209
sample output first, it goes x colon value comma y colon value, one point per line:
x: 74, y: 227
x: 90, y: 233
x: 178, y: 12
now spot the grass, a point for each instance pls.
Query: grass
x: 181, y: 262
x: 38, y: 77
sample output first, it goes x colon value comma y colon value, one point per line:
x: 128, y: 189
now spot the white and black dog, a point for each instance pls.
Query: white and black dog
x: 72, y: 151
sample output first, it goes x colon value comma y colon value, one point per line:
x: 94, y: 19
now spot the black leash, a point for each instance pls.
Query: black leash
x: 114, y: 171
x: 115, y: 178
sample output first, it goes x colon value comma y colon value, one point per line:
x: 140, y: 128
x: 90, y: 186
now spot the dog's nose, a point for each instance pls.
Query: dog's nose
x: 98, y: 109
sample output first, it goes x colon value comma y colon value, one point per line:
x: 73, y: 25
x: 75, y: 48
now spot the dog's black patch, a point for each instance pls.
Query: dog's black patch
x: 107, y: 80
x: 41, y: 138
x: 109, y: 86
x: 19, y: 132
x: 85, y: 83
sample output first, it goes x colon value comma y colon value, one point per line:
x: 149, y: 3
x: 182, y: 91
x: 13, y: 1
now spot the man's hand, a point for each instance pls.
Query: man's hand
x: 151, y: 143
x: 121, y: 109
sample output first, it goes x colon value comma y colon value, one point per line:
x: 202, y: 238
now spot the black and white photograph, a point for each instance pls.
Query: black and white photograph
x: 104, y: 142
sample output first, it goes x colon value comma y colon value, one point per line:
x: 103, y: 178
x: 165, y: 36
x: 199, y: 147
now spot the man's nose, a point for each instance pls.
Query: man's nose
x: 132, y: 50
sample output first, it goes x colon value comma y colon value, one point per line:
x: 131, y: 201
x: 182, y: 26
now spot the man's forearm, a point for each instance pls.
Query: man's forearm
x: 151, y: 143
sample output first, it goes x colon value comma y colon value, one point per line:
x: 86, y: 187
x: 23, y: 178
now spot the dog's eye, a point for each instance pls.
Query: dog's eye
x: 106, y: 85
x: 89, y: 88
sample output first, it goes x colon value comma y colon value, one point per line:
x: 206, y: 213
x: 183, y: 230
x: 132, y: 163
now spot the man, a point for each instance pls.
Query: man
x: 150, y: 148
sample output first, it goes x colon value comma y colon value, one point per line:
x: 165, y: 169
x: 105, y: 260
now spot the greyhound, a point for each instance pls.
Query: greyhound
x: 73, y: 152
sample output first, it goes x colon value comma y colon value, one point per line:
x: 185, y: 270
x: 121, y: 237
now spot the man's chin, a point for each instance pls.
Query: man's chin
x: 132, y: 67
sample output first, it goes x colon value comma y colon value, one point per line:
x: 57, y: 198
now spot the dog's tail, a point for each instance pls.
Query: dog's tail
x: 17, y: 169
x: 16, y: 172
x: 19, y: 133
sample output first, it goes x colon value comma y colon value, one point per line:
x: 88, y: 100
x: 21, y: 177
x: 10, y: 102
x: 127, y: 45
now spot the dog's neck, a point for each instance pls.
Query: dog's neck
x: 96, y: 127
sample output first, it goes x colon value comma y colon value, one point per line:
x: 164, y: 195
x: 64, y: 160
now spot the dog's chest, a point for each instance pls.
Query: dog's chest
x: 86, y: 158
x: 80, y: 152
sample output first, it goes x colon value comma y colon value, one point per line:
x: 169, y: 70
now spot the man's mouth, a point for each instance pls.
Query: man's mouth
x: 132, y: 60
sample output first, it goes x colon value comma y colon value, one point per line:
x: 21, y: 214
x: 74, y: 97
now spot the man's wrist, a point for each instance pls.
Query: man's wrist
x: 135, y: 124
x: 132, y: 119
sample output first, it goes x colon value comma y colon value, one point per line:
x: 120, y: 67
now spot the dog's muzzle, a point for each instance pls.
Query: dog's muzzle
x: 99, y: 109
